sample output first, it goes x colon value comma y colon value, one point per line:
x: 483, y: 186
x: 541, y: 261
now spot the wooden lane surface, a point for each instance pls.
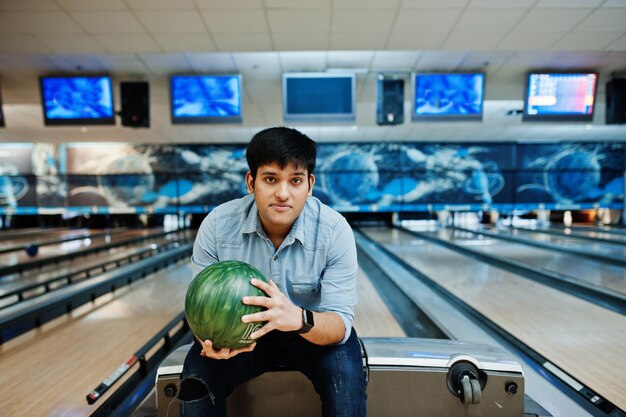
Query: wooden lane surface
x: 48, y: 372
x: 371, y: 315
x: 31, y: 231
x: 587, y: 270
x: 17, y: 281
x: 67, y: 265
x: 50, y: 235
x: 49, y: 251
x: 581, y: 338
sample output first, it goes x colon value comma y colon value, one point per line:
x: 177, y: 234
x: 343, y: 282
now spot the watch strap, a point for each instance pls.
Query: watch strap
x: 307, y: 321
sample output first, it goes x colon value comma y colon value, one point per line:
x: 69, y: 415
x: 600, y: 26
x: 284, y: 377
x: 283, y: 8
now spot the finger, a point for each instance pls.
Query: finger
x: 249, y: 348
x: 260, y: 316
x: 273, y: 285
x: 223, y: 353
x: 263, y: 286
x: 262, y: 331
x: 257, y: 301
x: 236, y: 352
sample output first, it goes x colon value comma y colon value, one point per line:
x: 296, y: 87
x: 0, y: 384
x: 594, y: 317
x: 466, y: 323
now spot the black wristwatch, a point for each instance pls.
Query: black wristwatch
x: 307, y: 321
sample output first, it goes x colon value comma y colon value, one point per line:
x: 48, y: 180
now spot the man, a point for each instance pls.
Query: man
x: 307, y: 252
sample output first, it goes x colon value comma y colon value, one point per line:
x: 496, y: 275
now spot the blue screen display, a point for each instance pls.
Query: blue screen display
x: 448, y: 95
x: 77, y: 98
x: 319, y: 97
x: 560, y: 94
x: 205, y: 98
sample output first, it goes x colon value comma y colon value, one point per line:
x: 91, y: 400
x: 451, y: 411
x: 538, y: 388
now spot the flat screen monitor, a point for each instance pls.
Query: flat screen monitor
x: 77, y: 100
x: 206, y: 99
x: 319, y: 97
x: 448, y: 96
x: 560, y: 96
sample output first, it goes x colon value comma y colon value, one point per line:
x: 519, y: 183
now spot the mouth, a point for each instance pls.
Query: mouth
x: 280, y: 207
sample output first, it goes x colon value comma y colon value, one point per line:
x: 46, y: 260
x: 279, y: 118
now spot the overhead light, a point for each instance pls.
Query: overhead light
x: 348, y: 70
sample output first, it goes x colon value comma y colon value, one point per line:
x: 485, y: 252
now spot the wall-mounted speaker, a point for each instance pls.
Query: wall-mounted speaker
x: 1, y: 114
x: 389, y: 101
x: 135, y: 96
x: 616, y: 101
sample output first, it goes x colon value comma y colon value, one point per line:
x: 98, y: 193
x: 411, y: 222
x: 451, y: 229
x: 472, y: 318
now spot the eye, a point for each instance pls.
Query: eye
x: 270, y: 180
x: 297, y: 181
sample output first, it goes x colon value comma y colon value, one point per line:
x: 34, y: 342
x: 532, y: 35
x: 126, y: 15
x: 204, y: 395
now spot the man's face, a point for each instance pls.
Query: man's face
x: 280, y: 195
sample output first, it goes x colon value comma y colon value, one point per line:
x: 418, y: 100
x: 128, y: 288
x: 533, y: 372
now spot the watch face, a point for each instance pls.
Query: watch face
x: 308, y: 318
x: 307, y: 321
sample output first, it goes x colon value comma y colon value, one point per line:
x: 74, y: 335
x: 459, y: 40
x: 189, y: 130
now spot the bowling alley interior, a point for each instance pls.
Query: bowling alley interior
x: 477, y: 149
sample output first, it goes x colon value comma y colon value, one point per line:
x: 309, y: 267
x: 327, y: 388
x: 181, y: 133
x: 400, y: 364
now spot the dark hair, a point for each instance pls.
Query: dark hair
x: 281, y: 145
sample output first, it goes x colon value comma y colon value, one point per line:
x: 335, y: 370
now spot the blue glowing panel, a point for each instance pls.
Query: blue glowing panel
x: 448, y: 96
x: 560, y: 97
x: 77, y: 100
x: 130, y: 190
x: 571, y: 173
x: 17, y: 191
x: 206, y: 99
x: 318, y: 97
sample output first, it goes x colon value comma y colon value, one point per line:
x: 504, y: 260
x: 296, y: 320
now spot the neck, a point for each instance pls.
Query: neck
x: 277, y: 236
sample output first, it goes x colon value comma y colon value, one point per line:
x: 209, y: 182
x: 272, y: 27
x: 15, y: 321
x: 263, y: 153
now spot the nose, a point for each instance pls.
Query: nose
x: 282, y: 191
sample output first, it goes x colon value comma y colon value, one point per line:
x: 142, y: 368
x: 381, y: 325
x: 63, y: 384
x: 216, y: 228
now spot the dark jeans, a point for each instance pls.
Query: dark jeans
x: 336, y: 372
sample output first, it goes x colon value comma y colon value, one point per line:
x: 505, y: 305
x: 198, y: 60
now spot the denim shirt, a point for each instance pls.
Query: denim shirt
x: 315, y: 266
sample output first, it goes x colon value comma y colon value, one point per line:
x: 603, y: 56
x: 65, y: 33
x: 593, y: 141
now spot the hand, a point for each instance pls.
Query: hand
x: 223, y: 353
x: 280, y: 314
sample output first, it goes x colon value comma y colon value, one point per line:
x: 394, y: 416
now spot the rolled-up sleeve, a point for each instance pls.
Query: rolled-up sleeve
x: 338, y: 284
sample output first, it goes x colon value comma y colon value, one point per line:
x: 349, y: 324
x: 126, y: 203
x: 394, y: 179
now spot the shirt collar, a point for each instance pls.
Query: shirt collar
x: 252, y: 223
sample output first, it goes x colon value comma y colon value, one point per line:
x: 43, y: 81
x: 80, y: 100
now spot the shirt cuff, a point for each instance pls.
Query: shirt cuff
x: 348, y: 326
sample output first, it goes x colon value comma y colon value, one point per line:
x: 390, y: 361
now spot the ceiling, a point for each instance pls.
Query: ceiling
x: 261, y: 39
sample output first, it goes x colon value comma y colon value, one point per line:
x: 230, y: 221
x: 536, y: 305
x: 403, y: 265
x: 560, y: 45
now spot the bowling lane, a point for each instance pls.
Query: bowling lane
x: 611, y: 229
x: 587, y: 270
x: 32, y: 231
x: 598, y: 248
x: 50, y: 251
x: 17, y: 281
x: 65, y: 359
x: 562, y: 328
x: 18, y: 235
x: 372, y: 318
x: 52, y: 236
x: 571, y: 232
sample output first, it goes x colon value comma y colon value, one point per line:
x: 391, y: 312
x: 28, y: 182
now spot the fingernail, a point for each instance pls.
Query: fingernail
x: 245, y: 299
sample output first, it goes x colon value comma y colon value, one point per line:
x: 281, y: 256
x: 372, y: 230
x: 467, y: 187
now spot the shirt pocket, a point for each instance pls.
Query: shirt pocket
x: 305, y: 289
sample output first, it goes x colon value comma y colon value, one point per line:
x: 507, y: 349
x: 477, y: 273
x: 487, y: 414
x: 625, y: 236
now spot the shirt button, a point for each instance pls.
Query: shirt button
x: 275, y: 258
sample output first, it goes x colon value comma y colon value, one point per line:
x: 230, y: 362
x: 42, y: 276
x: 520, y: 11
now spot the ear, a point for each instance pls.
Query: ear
x: 250, y: 182
x: 311, y: 184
